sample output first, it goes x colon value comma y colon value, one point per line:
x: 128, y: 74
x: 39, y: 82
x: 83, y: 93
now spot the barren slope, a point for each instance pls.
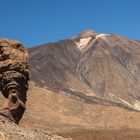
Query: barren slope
x: 59, y: 112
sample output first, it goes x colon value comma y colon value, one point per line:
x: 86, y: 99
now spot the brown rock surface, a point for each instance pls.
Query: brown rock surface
x: 13, y: 78
x: 13, y: 55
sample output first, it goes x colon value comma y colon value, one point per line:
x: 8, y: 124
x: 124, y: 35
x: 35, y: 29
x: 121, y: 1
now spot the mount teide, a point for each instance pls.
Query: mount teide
x: 97, y: 68
x: 85, y: 87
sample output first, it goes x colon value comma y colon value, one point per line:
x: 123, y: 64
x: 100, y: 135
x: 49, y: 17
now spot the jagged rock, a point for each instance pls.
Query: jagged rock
x: 13, y: 78
x: 12, y: 131
x: 13, y: 56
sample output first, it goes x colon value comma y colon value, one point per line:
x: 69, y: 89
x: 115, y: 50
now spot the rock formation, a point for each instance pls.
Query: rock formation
x: 13, y: 78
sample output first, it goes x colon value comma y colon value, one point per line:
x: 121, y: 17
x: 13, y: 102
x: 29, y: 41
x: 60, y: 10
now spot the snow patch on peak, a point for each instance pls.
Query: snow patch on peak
x: 101, y: 35
x: 82, y: 43
x: 137, y: 105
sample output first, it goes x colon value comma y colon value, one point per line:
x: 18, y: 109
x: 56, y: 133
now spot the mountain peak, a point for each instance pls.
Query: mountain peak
x: 85, y: 34
x: 83, y: 39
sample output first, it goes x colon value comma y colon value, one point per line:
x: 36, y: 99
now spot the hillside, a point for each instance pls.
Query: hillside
x: 59, y: 112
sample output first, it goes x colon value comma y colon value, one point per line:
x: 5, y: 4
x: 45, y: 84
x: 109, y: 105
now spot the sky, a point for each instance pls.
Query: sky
x: 35, y: 22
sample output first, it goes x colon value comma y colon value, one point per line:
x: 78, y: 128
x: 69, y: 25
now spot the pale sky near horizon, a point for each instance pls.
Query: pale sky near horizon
x: 36, y: 22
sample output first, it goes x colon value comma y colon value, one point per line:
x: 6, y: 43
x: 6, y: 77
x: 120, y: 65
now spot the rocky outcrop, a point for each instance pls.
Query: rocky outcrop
x: 103, y: 68
x: 13, y: 78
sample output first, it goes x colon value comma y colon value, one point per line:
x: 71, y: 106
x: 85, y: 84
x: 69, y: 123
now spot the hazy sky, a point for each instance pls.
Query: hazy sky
x: 35, y: 22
